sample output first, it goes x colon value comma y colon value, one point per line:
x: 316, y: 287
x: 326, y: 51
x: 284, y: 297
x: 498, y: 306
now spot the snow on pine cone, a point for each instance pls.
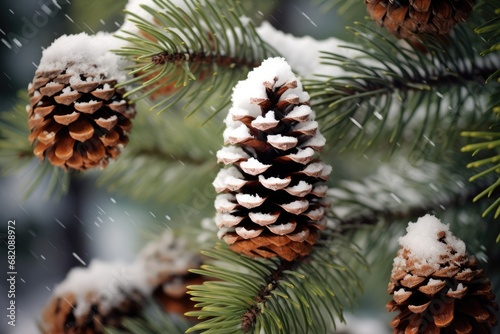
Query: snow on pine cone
x: 103, y: 294
x: 78, y: 119
x: 92, y: 298
x: 272, y: 201
x: 166, y: 263
x: 405, y: 18
x: 437, y: 286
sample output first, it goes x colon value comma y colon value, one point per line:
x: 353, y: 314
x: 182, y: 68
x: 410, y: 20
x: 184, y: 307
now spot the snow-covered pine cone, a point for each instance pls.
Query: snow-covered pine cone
x: 92, y: 298
x: 166, y: 263
x: 272, y: 201
x: 103, y: 294
x: 78, y: 119
x: 405, y: 18
x: 437, y: 286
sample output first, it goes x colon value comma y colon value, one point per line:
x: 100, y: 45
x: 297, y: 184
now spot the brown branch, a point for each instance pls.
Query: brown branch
x: 406, y: 84
x: 202, y: 58
x: 272, y: 282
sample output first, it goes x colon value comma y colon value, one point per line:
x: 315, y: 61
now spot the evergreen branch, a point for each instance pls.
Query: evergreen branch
x: 152, y: 320
x: 276, y: 296
x: 487, y: 150
x: 192, y: 55
x: 16, y: 155
x: 392, y: 94
x: 402, y: 191
x: 350, y: 10
x: 168, y: 154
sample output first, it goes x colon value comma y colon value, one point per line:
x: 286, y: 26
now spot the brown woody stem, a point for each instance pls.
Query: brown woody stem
x: 203, y: 58
x: 250, y: 316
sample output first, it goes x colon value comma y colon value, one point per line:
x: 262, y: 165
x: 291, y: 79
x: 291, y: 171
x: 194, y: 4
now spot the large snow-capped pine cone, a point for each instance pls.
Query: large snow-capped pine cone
x: 437, y: 286
x: 407, y: 18
x: 93, y: 298
x: 272, y: 194
x: 78, y: 119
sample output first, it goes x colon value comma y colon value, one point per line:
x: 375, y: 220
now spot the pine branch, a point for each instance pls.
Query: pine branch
x: 170, y: 156
x: 350, y: 10
x: 153, y: 320
x: 276, y: 296
x: 393, y: 94
x: 192, y: 55
x: 16, y: 155
x: 399, y: 190
x: 487, y: 151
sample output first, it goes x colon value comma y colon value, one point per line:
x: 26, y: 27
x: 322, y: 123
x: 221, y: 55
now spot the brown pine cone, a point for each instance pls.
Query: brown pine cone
x: 93, y: 298
x: 273, y: 193
x: 437, y: 286
x: 166, y: 263
x: 172, y: 295
x: 78, y: 119
x: 407, y: 18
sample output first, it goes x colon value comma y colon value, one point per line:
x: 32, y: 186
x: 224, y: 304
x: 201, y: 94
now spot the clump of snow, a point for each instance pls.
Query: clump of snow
x: 249, y: 200
x: 137, y: 8
x: 269, y: 117
x: 102, y: 282
x: 306, y: 62
x: 111, y: 284
x: 104, y: 87
x: 236, y: 135
x: 302, y: 153
x: 225, y: 202
x: 66, y: 91
x: 253, y: 166
x: 165, y: 257
x: 301, y: 187
x: 460, y: 287
x: 85, y: 54
x: 253, y: 87
x: 282, y: 142
x: 231, y: 154
x: 428, y: 240
x: 433, y: 281
x: 317, y: 141
x: 52, y: 84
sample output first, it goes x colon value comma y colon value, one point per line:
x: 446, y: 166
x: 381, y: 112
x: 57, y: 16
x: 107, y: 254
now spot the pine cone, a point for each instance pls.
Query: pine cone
x: 77, y: 118
x: 437, y: 286
x: 272, y: 202
x: 166, y: 263
x: 172, y: 295
x: 92, y: 298
x: 405, y: 18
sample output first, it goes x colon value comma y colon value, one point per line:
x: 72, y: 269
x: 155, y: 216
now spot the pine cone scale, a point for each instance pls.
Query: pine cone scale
x: 64, y: 148
x: 421, y: 5
x: 81, y: 130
